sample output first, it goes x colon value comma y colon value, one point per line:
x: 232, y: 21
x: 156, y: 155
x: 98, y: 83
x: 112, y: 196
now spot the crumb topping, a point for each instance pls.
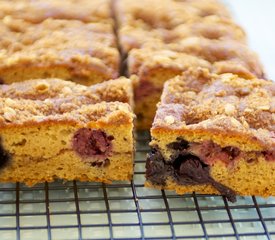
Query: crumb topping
x: 222, y: 56
x: 168, y: 14
x: 140, y: 60
x: 120, y: 89
x: 25, y: 111
x: 59, y: 42
x: 200, y: 100
x: 39, y: 10
x: 211, y: 27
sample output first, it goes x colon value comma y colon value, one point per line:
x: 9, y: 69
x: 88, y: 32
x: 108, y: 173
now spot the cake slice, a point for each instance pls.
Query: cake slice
x: 70, y: 132
x: 68, y: 49
x: 39, y: 10
x: 214, y: 134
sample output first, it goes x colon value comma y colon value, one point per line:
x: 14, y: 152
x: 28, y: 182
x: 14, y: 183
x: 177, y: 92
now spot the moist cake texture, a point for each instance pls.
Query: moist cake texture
x: 68, y: 49
x: 214, y: 134
x: 70, y: 132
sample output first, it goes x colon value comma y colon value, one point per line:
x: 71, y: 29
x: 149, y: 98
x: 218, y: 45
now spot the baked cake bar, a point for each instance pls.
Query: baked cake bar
x: 214, y: 134
x: 68, y: 49
x: 54, y: 129
x: 36, y: 11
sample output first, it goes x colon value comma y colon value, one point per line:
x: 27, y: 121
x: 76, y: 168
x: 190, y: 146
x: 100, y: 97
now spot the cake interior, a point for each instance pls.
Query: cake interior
x: 69, y: 151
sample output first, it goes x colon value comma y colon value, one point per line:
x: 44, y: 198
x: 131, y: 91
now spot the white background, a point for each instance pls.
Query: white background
x: 257, y: 17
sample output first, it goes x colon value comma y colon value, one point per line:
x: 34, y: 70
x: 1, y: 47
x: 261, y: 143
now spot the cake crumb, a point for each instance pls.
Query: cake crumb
x: 169, y: 119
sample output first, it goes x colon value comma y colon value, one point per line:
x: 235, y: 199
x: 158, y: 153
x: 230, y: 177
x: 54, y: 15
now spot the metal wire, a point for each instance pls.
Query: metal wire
x: 124, y: 210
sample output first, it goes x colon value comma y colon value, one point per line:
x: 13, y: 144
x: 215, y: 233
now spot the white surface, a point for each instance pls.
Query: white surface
x: 257, y: 17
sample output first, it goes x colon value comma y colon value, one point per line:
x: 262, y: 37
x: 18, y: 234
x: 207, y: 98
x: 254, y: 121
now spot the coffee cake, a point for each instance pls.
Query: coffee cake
x: 54, y: 129
x: 214, y: 134
x: 68, y: 49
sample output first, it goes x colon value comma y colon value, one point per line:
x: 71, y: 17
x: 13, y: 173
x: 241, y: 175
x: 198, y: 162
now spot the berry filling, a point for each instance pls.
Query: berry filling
x: 93, y: 143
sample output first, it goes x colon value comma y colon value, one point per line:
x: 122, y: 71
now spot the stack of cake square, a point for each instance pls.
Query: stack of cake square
x: 72, y: 40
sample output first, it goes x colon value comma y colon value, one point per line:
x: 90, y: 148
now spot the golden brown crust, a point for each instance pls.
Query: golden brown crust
x: 120, y: 89
x: 58, y: 43
x: 226, y: 105
x: 58, y: 100
x: 15, y: 112
x: 39, y: 10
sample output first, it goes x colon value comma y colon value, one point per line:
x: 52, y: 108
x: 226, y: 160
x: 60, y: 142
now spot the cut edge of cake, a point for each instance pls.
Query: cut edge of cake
x: 68, y: 137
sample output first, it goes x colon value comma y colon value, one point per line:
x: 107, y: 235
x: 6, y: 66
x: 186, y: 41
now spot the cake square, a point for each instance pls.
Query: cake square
x: 53, y: 129
x: 68, y: 49
x: 214, y: 134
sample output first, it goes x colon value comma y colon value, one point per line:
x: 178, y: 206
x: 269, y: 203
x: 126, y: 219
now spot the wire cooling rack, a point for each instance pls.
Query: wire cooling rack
x: 77, y: 210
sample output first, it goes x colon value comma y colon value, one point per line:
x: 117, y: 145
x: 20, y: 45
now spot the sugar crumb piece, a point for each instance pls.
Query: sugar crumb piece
x: 169, y: 119
x: 263, y: 107
x: 10, y: 102
x: 9, y: 114
x: 42, y: 87
x: 229, y: 109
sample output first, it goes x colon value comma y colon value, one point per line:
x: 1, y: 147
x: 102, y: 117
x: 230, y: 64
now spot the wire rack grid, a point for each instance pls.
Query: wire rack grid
x: 77, y: 210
